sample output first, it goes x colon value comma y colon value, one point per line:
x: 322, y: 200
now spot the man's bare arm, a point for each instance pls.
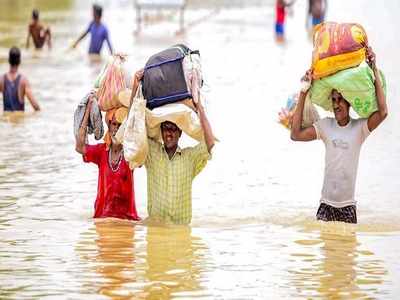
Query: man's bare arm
x: 31, y: 98
x: 82, y: 36
x: 297, y: 132
x: 28, y: 38
x: 206, y: 126
x: 136, y: 81
x: 377, y: 117
x: 80, y: 142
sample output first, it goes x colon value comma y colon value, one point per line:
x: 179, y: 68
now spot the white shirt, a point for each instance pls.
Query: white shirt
x: 342, y: 144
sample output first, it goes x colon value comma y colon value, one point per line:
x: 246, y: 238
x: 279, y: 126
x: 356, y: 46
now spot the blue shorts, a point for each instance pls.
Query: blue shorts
x: 279, y: 29
x: 316, y: 21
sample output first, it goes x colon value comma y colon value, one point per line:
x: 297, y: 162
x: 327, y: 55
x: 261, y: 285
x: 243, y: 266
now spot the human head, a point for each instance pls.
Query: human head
x: 170, y: 134
x: 340, y: 107
x: 114, y: 119
x: 97, y: 12
x: 113, y: 126
x: 35, y: 15
x: 14, y: 57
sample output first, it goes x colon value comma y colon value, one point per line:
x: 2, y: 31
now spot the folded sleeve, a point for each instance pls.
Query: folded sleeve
x: 319, y: 129
x: 154, y: 148
x: 89, y: 27
x: 199, y: 156
x: 364, y: 132
x: 93, y: 153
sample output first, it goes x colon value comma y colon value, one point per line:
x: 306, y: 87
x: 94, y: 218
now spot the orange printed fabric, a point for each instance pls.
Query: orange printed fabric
x: 113, y: 83
x: 337, y: 46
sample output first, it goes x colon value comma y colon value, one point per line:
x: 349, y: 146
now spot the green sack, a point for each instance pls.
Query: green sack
x: 355, y: 84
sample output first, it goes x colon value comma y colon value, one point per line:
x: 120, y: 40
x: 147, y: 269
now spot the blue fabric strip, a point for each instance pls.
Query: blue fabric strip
x: 155, y: 102
x: 162, y: 63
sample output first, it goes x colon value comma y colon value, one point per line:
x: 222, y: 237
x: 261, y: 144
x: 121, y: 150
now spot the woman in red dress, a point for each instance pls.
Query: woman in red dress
x: 115, y: 188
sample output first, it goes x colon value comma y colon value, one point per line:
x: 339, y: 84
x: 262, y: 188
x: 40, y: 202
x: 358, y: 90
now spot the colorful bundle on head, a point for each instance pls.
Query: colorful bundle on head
x: 355, y: 84
x: 120, y: 114
x: 111, y: 85
x: 337, y: 46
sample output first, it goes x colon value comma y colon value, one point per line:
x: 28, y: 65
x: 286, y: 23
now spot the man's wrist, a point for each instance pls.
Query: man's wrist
x: 200, y: 108
x: 305, y: 86
x: 303, y: 93
x: 376, y: 72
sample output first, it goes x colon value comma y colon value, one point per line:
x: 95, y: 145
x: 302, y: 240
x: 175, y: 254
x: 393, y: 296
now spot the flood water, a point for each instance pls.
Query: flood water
x: 253, y: 234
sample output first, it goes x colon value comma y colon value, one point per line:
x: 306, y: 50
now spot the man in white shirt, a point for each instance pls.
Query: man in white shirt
x: 343, y: 138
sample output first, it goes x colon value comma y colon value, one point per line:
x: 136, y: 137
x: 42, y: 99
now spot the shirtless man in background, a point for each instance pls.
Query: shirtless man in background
x: 40, y: 34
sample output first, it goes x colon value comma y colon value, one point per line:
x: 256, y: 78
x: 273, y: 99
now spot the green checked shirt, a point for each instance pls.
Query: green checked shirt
x: 169, y: 182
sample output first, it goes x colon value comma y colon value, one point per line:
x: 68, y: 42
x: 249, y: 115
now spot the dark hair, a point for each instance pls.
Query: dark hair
x: 35, y: 14
x: 98, y: 10
x: 14, y: 56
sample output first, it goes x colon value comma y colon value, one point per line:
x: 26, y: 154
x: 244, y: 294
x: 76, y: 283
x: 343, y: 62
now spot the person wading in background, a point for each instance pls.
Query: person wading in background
x: 98, y: 33
x: 15, y: 86
x: 40, y: 35
x: 280, y: 16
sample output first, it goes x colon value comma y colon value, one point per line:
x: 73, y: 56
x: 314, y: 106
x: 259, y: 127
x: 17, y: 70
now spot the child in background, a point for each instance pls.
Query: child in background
x: 281, y: 6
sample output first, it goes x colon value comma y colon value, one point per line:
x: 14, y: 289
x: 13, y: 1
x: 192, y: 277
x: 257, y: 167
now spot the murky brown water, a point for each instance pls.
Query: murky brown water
x: 253, y: 234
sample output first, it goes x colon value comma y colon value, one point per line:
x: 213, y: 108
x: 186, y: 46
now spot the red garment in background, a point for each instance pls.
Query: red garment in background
x: 115, y: 192
x: 280, y: 13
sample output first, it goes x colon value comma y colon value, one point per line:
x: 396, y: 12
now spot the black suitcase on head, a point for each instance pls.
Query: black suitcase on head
x: 164, y: 79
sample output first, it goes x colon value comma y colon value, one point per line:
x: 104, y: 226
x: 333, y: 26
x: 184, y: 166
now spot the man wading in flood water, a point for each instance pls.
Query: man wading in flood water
x: 39, y: 33
x: 98, y: 33
x: 343, y: 137
x: 15, y: 86
x: 171, y: 170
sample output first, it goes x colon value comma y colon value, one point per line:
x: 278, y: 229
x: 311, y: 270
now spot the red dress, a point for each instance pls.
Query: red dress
x: 115, y: 192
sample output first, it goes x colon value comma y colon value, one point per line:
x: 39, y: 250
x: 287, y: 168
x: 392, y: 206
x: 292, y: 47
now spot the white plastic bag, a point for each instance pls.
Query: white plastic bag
x: 310, y: 113
x: 132, y: 133
x: 183, y: 116
x: 193, y: 74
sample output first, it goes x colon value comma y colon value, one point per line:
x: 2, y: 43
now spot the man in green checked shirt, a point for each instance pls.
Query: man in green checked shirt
x: 171, y: 170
